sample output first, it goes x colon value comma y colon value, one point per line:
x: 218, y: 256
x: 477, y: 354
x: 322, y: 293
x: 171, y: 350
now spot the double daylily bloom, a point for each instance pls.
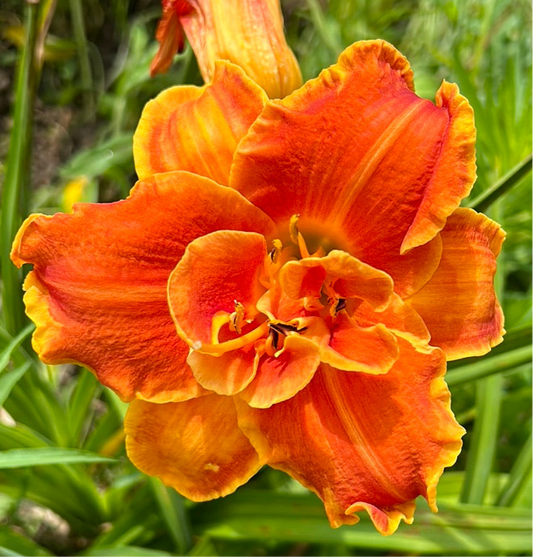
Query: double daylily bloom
x: 285, y: 282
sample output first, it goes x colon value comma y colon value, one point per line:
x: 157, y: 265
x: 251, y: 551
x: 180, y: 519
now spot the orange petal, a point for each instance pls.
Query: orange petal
x: 169, y: 34
x: 217, y: 272
x: 197, y: 128
x: 249, y: 34
x: 399, y: 318
x: 364, y: 442
x: 196, y: 446
x: 350, y: 278
x: 412, y: 270
x: 98, y: 291
x: 455, y: 172
x: 459, y: 304
x: 277, y: 305
x: 358, y: 150
x: 281, y: 377
x: 227, y: 374
x: 354, y: 348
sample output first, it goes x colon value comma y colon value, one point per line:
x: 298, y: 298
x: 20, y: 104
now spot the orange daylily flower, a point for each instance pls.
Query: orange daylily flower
x: 248, y: 33
x: 283, y: 286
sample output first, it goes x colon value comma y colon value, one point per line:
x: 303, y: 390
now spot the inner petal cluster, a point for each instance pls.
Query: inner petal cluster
x: 260, y: 319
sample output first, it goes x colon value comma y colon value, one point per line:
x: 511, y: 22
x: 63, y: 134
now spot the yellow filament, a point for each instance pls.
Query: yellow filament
x: 229, y: 345
x: 304, y: 252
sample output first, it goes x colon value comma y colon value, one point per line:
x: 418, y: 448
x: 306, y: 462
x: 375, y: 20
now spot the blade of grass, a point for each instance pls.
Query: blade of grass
x: 121, y: 550
x: 17, y: 170
x: 483, y: 201
x: 520, y: 475
x: 40, y: 456
x: 86, y: 79
x: 78, y: 498
x: 489, y: 366
x: 9, y: 379
x: 204, y: 546
x: 12, y: 543
x: 331, y: 40
x: 174, y: 515
x: 5, y: 356
x: 80, y: 402
x: 33, y: 400
x: 483, y: 446
x: 137, y: 519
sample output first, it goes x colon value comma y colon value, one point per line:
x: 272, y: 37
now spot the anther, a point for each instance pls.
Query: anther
x: 276, y: 250
x: 339, y: 305
x: 282, y: 329
x: 293, y: 228
x: 237, y: 318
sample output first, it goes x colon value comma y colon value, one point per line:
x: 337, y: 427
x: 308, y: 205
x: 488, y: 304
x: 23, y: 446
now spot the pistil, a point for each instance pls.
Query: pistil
x: 233, y: 344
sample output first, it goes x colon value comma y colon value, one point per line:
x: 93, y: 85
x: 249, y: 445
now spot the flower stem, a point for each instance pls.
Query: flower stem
x: 518, y: 478
x: 14, y: 197
x: 86, y: 79
x: 483, y: 201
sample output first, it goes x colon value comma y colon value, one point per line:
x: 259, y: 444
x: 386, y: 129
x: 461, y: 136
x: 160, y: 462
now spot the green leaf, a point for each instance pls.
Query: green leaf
x: 203, y: 547
x: 9, y: 379
x: 121, y: 550
x: 137, y: 520
x: 492, y: 194
x: 12, y: 543
x: 174, y: 515
x: 80, y: 403
x: 463, y: 529
x: 519, y: 476
x: 489, y: 366
x: 17, y: 458
x: 484, y: 438
x: 17, y: 168
x: 5, y: 355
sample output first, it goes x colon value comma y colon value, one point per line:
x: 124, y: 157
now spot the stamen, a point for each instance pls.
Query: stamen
x: 233, y: 344
x: 293, y: 228
x: 286, y: 328
x: 276, y: 250
x: 274, y: 336
x: 277, y: 330
x: 296, y: 236
x: 337, y: 306
x: 237, y: 318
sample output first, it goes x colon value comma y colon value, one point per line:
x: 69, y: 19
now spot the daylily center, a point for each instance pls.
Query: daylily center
x: 261, y: 322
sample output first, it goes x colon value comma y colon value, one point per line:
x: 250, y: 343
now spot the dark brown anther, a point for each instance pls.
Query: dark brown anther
x: 341, y: 304
x: 277, y: 329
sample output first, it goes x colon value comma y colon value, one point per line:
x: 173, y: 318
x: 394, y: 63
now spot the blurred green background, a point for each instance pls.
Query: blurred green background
x: 67, y: 116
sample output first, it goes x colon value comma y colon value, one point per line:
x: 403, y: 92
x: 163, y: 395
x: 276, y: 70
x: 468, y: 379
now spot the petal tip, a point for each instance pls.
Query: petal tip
x: 385, y: 52
x: 386, y: 521
x: 458, y: 153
